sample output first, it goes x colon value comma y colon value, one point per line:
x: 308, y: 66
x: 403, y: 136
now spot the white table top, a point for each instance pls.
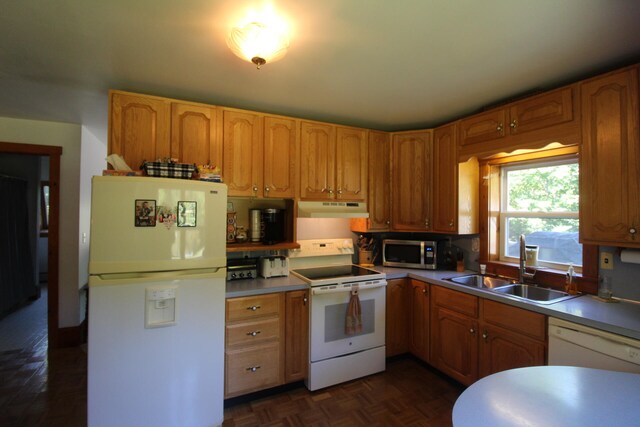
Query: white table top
x: 551, y: 396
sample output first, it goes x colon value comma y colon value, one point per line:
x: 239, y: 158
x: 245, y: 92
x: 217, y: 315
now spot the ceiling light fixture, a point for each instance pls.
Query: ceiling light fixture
x: 258, y: 42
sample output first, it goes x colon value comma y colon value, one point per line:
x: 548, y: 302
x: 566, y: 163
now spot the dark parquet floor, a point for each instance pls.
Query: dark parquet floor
x: 407, y: 394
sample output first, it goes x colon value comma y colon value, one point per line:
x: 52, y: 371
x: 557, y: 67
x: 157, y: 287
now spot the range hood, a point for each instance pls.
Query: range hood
x: 332, y: 209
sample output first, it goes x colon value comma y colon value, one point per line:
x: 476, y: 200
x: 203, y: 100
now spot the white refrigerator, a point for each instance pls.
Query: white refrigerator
x: 156, y: 302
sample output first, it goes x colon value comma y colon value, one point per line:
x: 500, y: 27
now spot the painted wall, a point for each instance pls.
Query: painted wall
x: 67, y: 136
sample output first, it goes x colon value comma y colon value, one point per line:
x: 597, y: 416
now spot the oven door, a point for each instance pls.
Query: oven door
x: 329, y: 306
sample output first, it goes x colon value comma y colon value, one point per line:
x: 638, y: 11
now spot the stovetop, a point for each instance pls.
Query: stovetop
x: 336, y: 274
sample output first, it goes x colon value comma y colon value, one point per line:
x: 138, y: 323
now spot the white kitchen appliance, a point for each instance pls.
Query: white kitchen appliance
x: 273, y: 266
x: 335, y: 355
x: 156, y: 302
x: 572, y: 344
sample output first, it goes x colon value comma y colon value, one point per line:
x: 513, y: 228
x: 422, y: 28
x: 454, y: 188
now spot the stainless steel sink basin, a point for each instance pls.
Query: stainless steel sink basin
x: 533, y: 293
x: 480, y: 281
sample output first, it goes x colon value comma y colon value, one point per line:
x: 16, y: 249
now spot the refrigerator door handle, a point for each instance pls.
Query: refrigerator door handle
x: 115, y: 278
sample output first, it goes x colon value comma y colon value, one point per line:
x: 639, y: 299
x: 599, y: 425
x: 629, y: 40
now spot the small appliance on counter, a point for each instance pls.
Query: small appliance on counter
x: 274, y: 266
x: 410, y: 254
x: 242, y: 268
x: 273, y: 224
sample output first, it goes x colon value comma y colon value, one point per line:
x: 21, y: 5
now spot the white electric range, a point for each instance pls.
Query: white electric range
x: 338, y: 354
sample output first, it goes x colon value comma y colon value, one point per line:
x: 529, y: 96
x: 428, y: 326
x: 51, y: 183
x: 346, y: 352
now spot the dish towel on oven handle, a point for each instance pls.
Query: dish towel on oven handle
x: 353, y: 323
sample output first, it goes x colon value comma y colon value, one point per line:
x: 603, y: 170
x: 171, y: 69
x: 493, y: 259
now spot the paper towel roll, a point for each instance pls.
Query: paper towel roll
x: 630, y: 256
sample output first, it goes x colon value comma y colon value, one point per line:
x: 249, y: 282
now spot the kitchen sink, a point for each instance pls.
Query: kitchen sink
x: 480, y: 281
x: 533, y: 293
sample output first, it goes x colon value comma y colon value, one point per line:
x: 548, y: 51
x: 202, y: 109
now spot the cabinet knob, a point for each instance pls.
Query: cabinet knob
x: 253, y: 334
x: 513, y: 124
x: 387, y: 222
x: 472, y: 331
x: 633, y: 231
x: 451, y: 223
x: 339, y: 191
x: 253, y: 307
x: 253, y: 368
x: 426, y: 223
x: 255, y: 188
x: 304, y: 301
x: 424, y: 291
x: 499, y: 128
x: 267, y: 189
x: 485, y: 335
x: 330, y: 191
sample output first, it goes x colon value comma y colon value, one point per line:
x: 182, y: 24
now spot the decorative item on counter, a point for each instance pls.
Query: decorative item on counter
x: 605, y: 290
x: 231, y: 227
x: 367, y: 251
x: 570, y: 286
x: 460, y: 261
x: 483, y: 269
x: 531, y: 255
x: 209, y: 173
x: 241, y: 234
x: 168, y: 168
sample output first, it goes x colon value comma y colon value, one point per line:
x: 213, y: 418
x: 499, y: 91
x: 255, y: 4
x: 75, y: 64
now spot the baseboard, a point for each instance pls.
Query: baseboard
x: 72, y: 336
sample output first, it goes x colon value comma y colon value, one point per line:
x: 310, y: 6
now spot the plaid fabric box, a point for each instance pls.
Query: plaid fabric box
x: 169, y: 170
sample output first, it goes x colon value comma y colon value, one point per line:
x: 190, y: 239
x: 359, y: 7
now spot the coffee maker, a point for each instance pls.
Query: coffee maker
x: 273, y: 226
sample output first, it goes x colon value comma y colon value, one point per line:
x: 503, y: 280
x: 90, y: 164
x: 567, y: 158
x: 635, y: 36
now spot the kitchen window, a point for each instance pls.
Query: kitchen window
x: 540, y: 200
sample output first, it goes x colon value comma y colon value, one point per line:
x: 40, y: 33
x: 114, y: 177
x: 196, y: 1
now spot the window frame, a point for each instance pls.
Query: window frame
x: 505, y: 213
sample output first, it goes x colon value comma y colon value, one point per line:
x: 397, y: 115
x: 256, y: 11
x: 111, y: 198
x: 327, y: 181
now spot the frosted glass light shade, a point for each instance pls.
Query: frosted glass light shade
x: 258, y: 43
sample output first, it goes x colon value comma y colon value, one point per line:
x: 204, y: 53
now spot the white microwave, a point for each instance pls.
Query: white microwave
x: 410, y: 254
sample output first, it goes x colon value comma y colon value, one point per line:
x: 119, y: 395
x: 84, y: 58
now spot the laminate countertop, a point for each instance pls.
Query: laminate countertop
x: 622, y: 318
x: 550, y: 396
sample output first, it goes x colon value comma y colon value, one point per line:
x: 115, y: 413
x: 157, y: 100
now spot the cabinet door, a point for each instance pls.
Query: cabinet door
x: 242, y: 153
x: 483, y: 127
x: 250, y: 369
x: 419, y: 320
x: 379, y: 203
x: 139, y: 128
x: 541, y: 111
x: 411, y: 181
x: 610, y: 160
x: 454, y: 347
x: 397, y: 317
x: 317, y: 161
x: 445, y: 180
x: 281, y: 157
x: 502, y: 350
x: 193, y: 134
x: 351, y: 164
x: 296, y: 336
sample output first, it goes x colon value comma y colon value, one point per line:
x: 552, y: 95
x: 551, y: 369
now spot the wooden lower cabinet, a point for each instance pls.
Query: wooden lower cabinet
x: 419, y: 323
x: 397, y: 317
x: 266, y: 341
x: 472, y: 338
x: 296, y: 336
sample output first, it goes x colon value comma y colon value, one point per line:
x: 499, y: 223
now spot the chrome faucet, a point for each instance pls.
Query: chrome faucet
x: 522, y: 271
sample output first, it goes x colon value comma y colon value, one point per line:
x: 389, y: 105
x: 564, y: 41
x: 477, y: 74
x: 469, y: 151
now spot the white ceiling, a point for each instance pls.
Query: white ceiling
x: 381, y: 64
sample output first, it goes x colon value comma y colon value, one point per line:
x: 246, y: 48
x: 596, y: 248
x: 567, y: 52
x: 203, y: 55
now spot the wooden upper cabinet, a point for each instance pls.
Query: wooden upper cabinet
x: 379, y: 193
x: 610, y: 160
x: 351, y: 164
x: 445, y: 179
x: 541, y: 111
x: 139, y: 128
x: 317, y: 161
x: 194, y: 134
x: 483, y: 127
x: 411, y: 181
x: 242, y: 153
x: 281, y: 157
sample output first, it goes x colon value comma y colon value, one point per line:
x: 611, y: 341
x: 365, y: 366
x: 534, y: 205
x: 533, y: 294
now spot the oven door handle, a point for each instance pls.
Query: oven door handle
x: 321, y: 290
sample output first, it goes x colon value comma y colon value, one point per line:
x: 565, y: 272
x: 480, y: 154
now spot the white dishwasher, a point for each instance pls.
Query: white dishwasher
x: 571, y: 344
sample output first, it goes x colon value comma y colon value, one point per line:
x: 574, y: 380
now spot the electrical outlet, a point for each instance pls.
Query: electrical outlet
x: 606, y: 261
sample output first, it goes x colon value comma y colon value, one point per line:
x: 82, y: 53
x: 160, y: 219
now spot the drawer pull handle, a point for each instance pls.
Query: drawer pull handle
x: 253, y: 334
x: 253, y: 307
x: 253, y: 368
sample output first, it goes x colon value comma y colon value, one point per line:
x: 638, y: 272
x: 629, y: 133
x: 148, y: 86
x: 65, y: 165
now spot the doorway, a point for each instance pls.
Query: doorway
x: 53, y: 154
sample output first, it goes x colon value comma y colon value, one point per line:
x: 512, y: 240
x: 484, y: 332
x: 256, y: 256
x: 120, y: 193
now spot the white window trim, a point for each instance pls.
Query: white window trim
x: 527, y: 214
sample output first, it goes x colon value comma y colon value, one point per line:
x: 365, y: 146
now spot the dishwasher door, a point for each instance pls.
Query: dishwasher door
x: 571, y: 344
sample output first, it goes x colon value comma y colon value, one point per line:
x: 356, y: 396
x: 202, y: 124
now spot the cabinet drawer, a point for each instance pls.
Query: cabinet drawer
x: 515, y: 319
x: 252, y: 369
x: 247, y: 333
x: 252, y: 307
x: 454, y: 300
